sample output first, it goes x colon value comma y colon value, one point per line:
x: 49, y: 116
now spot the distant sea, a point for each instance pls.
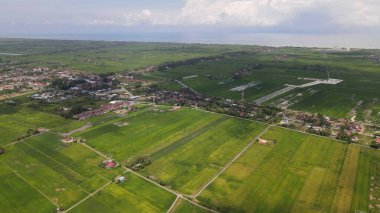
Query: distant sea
x: 353, y: 40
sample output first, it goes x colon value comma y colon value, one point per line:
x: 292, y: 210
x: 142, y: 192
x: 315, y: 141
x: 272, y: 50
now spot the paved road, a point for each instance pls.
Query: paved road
x: 88, y: 125
x: 186, y: 87
x: 291, y: 87
x: 275, y: 94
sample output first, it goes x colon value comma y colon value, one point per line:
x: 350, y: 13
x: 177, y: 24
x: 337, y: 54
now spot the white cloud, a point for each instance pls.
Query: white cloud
x: 260, y: 12
x: 355, y: 12
x: 242, y: 12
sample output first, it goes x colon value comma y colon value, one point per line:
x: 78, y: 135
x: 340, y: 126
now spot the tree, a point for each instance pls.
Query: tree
x: 1, y: 151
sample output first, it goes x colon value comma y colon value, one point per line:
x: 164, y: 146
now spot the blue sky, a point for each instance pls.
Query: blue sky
x: 28, y: 17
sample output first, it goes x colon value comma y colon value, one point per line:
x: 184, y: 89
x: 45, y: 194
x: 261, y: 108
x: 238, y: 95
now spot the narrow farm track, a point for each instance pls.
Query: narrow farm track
x: 151, y: 181
x: 19, y: 141
x: 90, y: 195
x: 169, y: 190
x: 94, y: 150
x: 173, y: 205
x: 230, y: 162
x: 26, y: 181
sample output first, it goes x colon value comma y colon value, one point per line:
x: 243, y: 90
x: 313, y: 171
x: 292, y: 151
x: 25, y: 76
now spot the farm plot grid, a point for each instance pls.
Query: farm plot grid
x: 296, y: 172
x: 16, y: 121
x: 63, y: 174
x: 215, y: 161
x: 186, y: 148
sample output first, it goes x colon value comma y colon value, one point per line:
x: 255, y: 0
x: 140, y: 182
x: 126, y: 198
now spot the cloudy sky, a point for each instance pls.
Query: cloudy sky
x: 28, y: 17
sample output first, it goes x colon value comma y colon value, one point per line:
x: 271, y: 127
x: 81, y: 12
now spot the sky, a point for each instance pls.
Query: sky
x: 43, y: 17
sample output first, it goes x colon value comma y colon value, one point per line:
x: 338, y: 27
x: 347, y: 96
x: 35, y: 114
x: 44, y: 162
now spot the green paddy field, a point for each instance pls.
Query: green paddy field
x: 191, y: 152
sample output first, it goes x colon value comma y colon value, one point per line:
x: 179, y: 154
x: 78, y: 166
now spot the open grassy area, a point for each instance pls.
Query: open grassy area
x: 299, y: 173
x: 63, y: 173
x: 134, y: 195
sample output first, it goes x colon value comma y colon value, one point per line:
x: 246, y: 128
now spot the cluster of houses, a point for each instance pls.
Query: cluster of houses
x: 112, y: 106
x: 51, y: 96
x: 323, y: 125
x: 23, y: 80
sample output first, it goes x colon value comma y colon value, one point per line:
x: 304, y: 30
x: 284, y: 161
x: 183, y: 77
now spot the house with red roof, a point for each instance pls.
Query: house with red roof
x: 109, y: 163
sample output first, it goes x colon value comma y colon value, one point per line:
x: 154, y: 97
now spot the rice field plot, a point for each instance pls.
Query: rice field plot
x: 133, y: 195
x: 17, y: 195
x: 298, y: 173
x: 15, y: 122
x: 367, y: 184
x: 183, y: 206
x: 192, y: 161
x: 146, y: 131
x: 187, y: 147
x: 64, y: 173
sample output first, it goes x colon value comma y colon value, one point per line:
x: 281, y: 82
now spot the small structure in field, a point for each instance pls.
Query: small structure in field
x: 73, y: 140
x: 263, y: 141
x: 120, y: 179
x: 121, y: 124
x: 175, y: 108
x: 68, y: 140
x: 122, y: 111
x: 108, y: 164
x: 40, y: 130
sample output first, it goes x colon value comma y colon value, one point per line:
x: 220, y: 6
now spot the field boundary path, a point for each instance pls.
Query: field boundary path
x: 230, y: 162
x: 90, y: 195
x: 172, y: 207
x: 21, y: 140
x: 42, y: 193
x: 151, y: 181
